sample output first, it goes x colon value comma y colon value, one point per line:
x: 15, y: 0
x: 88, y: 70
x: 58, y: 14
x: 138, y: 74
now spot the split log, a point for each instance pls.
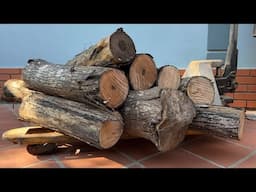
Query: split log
x: 205, y: 68
x: 199, y: 89
x: 142, y: 72
x: 84, y: 84
x: 99, y: 127
x: 220, y: 121
x: 161, y: 116
x: 168, y: 77
x: 111, y: 51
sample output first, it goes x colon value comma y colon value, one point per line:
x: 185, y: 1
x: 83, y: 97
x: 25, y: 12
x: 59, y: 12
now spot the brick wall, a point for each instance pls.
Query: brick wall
x: 245, y: 95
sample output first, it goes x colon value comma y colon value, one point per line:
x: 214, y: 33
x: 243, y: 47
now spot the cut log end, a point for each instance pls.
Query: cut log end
x: 200, y: 90
x: 110, y: 133
x: 143, y: 72
x: 122, y: 47
x: 113, y: 87
x: 169, y: 77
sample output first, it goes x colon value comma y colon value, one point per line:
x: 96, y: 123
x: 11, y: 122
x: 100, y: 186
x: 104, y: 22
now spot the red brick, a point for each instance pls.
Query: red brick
x: 251, y: 104
x: 16, y: 76
x: 245, y: 96
x: 10, y: 70
x: 251, y: 87
x: 243, y: 72
x: 241, y: 88
x: 1, y: 84
x: 4, y: 77
x: 229, y: 94
x: 253, y: 72
x: 238, y: 103
x: 246, y: 80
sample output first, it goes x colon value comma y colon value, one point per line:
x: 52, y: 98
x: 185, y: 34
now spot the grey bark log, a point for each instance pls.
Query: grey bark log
x: 114, y: 50
x: 220, y: 121
x: 83, y: 84
x: 161, y: 116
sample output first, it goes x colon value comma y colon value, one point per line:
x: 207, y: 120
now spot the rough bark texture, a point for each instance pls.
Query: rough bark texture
x: 161, y: 116
x: 95, y: 126
x: 199, y: 89
x: 220, y: 121
x: 111, y: 51
x: 142, y: 72
x: 168, y: 77
x: 83, y: 84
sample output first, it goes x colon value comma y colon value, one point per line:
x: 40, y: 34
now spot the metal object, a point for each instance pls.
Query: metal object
x: 254, y: 30
x: 225, y: 81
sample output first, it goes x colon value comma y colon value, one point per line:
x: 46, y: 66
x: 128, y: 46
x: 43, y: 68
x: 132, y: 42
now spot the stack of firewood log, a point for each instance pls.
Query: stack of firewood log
x: 109, y: 92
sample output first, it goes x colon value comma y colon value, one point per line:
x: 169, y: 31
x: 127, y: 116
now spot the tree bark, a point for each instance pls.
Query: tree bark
x: 220, y: 121
x: 199, y: 89
x: 142, y: 72
x: 103, y: 86
x: 168, y: 77
x: 97, y: 126
x: 161, y: 116
x: 111, y: 51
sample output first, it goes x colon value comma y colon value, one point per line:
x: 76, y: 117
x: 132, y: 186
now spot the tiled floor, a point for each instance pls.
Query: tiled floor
x: 195, y: 152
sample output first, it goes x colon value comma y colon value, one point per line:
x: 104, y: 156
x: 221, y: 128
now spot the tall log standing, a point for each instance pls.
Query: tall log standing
x: 168, y: 77
x: 98, y: 127
x: 220, y: 121
x: 83, y: 84
x: 159, y: 116
x: 199, y: 89
x: 112, y: 51
x: 142, y: 72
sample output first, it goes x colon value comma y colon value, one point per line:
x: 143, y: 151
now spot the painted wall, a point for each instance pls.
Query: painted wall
x: 246, y: 46
x: 175, y: 44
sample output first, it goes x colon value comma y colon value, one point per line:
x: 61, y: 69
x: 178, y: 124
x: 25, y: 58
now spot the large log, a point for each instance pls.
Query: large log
x: 84, y: 84
x: 168, y: 77
x: 205, y: 68
x: 220, y: 121
x: 161, y: 116
x: 142, y: 72
x: 112, y: 51
x: 199, y: 89
x: 99, y: 127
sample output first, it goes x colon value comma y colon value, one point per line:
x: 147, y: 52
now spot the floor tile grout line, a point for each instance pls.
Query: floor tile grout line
x: 129, y: 158
x: 149, y: 156
x: 233, y: 165
x: 59, y: 163
x: 28, y: 166
x: 203, y: 158
x: 135, y: 163
x: 232, y: 142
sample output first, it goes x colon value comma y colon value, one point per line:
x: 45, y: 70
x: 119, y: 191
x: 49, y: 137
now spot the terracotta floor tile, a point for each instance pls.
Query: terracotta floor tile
x: 176, y: 159
x: 136, y: 165
x: 136, y: 148
x: 45, y: 164
x: 249, y: 163
x: 93, y: 159
x: 18, y: 157
x: 217, y: 150
x: 249, y: 135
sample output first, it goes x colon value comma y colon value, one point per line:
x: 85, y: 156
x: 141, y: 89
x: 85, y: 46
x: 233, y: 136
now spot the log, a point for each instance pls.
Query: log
x: 142, y: 72
x: 111, y: 51
x: 205, y: 68
x: 14, y: 90
x: 168, y: 77
x: 199, y: 89
x: 220, y: 121
x: 161, y: 116
x: 100, y: 85
x: 97, y: 127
